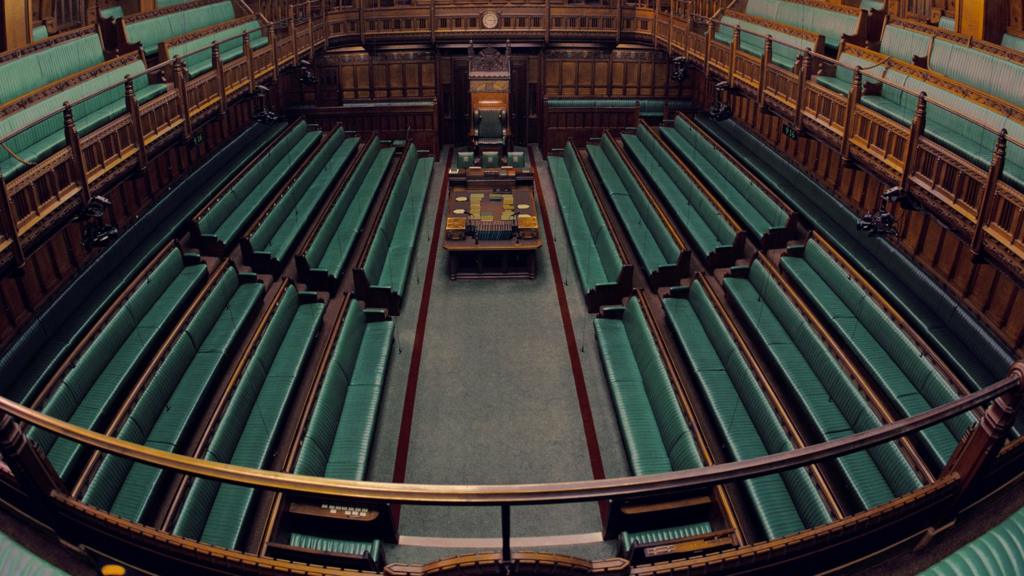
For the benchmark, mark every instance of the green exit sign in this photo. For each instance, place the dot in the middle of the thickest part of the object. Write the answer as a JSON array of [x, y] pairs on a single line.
[[789, 131]]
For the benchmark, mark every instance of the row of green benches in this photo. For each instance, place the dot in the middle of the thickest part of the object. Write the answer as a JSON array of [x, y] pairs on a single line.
[[197, 54], [382, 277], [33, 68], [786, 48], [272, 238], [604, 277], [832, 24], [322, 260], [215, 512], [92, 389], [221, 223], [152, 29], [783, 503], [176, 394], [998, 552]]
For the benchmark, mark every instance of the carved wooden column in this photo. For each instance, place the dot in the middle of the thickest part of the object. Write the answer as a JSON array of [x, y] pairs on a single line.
[[222, 91], [309, 28], [732, 54], [995, 172], [180, 76], [10, 224], [273, 44], [916, 129], [803, 62], [294, 26], [851, 103], [75, 144], [132, 104], [247, 49], [30, 467], [17, 20], [766, 58]]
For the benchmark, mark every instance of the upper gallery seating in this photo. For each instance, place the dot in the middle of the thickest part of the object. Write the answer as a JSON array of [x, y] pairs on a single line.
[[272, 238], [215, 512], [29, 362], [783, 503], [763, 214], [603, 275], [994, 553], [648, 108], [340, 433], [325, 254], [199, 61], [179, 388], [654, 430], [224, 219], [1014, 41], [149, 29], [834, 22], [948, 326], [387, 262], [829, 398], [28, 69], [900, 368], [97, 94], [109, 363], [663, 256], [788, 42], [710, 230]]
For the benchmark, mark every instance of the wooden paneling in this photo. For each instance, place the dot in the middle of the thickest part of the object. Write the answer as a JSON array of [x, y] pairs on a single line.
[[609, 74], [358, 75]]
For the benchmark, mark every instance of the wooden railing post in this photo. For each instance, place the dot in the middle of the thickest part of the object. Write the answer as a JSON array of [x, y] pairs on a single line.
[[132, 104], [273, 44], [547, 21], [362, 22], [309, 27], [10, 223], [180, 76], [995, 172], [851, 103], [916, 129], [657, 16], [75, 144], [29, 465], [247, 48], [732, 54], [618, 20], [766, 57], [295, 37], [222, 91], [803, 61]]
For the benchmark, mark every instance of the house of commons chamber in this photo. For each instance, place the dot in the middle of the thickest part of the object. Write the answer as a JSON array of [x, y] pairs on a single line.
[[512, 287]]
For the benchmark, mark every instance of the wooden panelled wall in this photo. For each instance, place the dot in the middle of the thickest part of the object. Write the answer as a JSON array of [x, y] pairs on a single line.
[[989, 292], [608, 74]]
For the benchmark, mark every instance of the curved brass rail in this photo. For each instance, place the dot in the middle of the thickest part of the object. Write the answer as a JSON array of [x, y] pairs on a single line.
[[504, 494]]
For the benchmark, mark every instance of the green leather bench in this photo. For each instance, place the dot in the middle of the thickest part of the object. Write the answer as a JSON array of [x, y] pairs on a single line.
[[214, 512], [977, 357], [16, 559], [627, 540], [658, 251], [225, 220], [325, 256], [758, 212], [906, 44], [151, 31], [31, 359], [44, 123], [604, 278], [911, 382], [275, 236], [1013, 42], [998, 552], [830, 401], [176, 394], [199, 61], [831, 24], [785, 50], [90, 391], [370, 550], [649, 107], [387, 262], [985, 71], [784, 503], [708, 230], [30, 69]]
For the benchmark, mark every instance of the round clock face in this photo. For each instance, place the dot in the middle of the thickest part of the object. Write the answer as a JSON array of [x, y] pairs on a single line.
[[489, 19]]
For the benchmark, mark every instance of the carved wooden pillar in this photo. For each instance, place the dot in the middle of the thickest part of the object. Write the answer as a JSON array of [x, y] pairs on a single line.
[[132, 104], [803, 62], [618, 20], [17, 22], [247, 49], [732, 54], [294, 26], [916, 129], [995, 172], [222, 91], [657, 16], [309, 28], [30, 467], [10, 224], [851, 104], [709, 32], [75, 144], [273, 44], [766, 58], [180, 76]]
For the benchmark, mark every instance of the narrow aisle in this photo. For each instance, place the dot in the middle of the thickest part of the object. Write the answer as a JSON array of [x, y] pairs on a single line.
[[496, 401]]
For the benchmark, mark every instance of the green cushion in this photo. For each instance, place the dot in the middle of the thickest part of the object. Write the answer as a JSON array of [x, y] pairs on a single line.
[[904, 43], [785, 50], [39, 68], [369, 549], [830, 24], [150, 32], [198, 61], [663, 535], [998, 552]]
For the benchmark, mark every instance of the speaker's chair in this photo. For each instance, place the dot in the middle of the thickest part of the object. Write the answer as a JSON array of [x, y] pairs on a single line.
[[489, 130]]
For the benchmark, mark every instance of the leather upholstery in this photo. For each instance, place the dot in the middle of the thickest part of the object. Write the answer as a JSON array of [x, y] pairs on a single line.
[[199, 61], [830, 24], [370, 549], [37, 69], [998, 552], [150, 32], [784, 52]]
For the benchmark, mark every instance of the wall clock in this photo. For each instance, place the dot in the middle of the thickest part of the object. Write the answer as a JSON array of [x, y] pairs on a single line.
[[489, 19]]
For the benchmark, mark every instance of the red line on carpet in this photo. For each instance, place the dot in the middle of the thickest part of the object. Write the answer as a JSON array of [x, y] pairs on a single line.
[[596, 465]]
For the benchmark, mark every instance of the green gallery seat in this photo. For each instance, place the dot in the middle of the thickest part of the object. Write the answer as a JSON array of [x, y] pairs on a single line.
[[901, 369], [179, 389], [326, 254], [370, 550], [966, 346], [215, 512], [1013, 42], [387, 263], [627, 540], [597, 259], [744, 197], [831, 24], [151, 31], [649, 107], [784, 503], [43, 122], [998, 552], [31, 69], [225, 220], [650, 236], [829, 399], [785, 50], [655, 432], [16, 559], [89, 392], [985, 71], [338, 439], [907, 44], [276, 235], [710, 232], [199, 61]]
